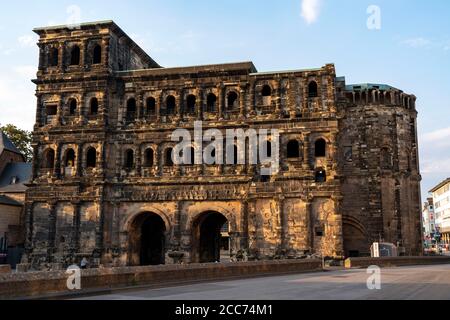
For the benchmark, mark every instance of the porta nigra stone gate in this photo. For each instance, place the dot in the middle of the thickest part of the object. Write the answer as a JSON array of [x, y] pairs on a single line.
[[105, 187]]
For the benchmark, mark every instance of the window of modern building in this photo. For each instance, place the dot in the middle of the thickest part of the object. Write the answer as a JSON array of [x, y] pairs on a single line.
[[321, 176]]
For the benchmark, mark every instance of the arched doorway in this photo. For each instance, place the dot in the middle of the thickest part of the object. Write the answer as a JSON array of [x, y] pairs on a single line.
[[147, 240], [356, 242], [211, 237]]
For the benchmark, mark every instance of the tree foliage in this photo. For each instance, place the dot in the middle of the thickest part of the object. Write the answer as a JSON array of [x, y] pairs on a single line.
[[21, 139]]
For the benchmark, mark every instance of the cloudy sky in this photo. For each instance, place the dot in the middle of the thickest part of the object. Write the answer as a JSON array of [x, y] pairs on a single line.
[[408, 47]]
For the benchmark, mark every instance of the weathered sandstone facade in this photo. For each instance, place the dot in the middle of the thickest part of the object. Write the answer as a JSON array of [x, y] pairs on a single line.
[[104, 186]]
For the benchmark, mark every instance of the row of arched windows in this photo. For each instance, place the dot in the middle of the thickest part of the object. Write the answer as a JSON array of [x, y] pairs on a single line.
[[73, 106], [75, 56], [380, 97], [168, 106], [69, 158]]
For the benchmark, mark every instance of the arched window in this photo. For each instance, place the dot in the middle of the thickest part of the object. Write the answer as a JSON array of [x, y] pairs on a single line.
[[93, 106], [267, 95], [91, 158], [232, 101], [54, 57], [211, 102], [266, 91], [320, 148], [171, 105], [168, 160], [129, 159], [72, 107], [151, 106], [149, 158], [313, 90], [48, 159], [131, 110], [321, 175], [97, 55], [190, 103], [75, 56], [191, 160], [293, 149], [70, 158]]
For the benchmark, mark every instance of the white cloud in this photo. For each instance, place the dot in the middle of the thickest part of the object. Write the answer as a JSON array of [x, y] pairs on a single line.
[[438, 137], [311, 10], [27, 41], [417, 42]]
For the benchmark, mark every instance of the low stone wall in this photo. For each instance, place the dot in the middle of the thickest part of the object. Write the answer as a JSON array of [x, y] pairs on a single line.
[[394, 261], [38, 284]]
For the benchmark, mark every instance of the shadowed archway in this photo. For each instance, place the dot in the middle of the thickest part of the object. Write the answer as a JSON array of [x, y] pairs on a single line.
[[208, 238], [147, 240]]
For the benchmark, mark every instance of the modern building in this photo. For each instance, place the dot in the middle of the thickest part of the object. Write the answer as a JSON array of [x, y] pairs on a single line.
[[105, 185], [429, 223], [441, 199]]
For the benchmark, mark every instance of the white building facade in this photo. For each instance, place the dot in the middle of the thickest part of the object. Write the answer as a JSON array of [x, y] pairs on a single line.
[[441, 199]]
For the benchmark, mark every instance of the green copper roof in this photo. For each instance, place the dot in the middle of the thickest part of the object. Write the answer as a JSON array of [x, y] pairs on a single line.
[[368, 86]]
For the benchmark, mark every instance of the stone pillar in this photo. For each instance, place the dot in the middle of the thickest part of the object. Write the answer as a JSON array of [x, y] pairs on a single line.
[[199, 106], [36, 160], [29, 213], [51, 250], [220, 101], [306, 153], [283, 223], [158, 107], [43, 57], [244, 245], [39, 112], [242, 104], [138, 161], [75, 245], [139, 107], [57, 167], [79, 160], [99, 232], [338, 251], [278, 110], [82, 110], [310, 224]]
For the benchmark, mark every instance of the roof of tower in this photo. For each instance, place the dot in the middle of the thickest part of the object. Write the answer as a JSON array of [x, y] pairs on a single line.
[[106, 23], [369, 86]]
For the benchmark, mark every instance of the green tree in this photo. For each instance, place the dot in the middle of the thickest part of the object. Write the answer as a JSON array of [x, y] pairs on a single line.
[[21, 139]]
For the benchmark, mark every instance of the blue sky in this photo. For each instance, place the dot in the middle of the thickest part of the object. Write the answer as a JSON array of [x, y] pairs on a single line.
[[411, 51]]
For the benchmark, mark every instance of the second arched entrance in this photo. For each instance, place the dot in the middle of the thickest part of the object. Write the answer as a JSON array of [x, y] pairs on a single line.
[[147, 240], [210, 238]]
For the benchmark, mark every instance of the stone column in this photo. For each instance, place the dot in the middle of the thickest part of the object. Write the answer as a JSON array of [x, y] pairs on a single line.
[[283, 223], [79, 160], [220, 101], [306, 153], [199, 107], [338, 251], [39, 112], [57, 167], [29, 213], [75, 245], [36, 160], [158, 107], [51, 250], [242, 104], [82, 110], [138, 161], [310, 224], [99, 232], [244, 245]]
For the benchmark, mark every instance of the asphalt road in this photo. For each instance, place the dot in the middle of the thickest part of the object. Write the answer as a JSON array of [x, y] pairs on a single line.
[[408, 283]]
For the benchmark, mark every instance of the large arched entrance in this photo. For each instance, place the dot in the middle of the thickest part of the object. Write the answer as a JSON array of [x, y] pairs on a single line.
[[210, 237], [147, 240]]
